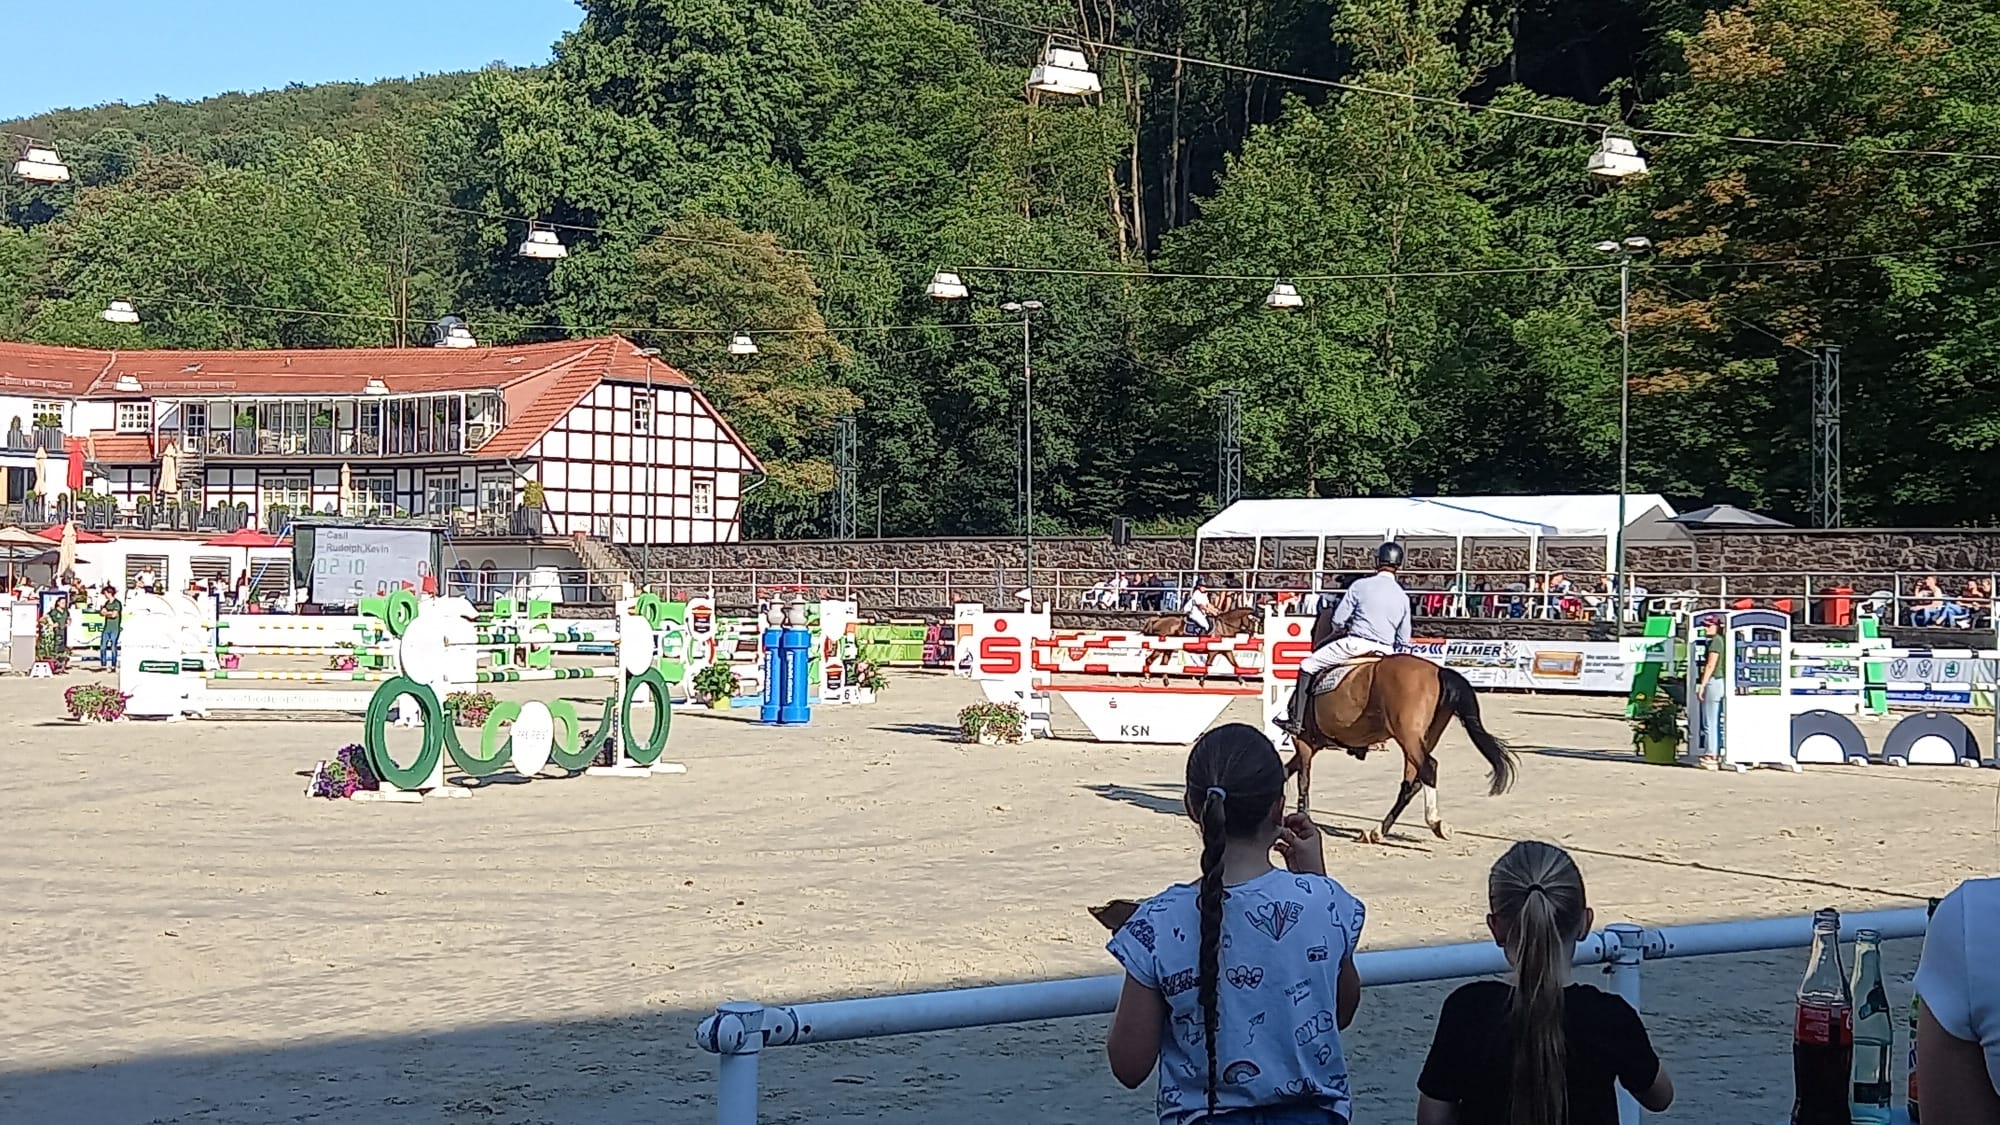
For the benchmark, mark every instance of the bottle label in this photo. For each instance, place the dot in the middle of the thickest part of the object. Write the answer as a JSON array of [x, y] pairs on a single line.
[[1829, 1025]]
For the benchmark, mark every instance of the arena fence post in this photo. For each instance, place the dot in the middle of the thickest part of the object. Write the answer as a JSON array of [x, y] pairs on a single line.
[[1627, 951], [735, 1033]]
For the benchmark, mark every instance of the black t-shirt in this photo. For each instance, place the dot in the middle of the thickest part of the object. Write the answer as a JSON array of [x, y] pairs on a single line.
[[1472, 1056]]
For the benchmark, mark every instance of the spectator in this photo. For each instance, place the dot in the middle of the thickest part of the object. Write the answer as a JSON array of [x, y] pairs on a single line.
[[1927, 601], [1539, 1050], [1708, 690], [1226, 1048], [114, 624], [52, 643], [1958, 1025]]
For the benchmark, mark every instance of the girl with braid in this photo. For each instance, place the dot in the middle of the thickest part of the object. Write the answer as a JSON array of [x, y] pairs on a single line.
[[1238, 985], [1537, 1050]]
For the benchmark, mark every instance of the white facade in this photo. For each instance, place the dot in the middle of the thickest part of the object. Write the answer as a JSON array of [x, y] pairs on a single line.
[[618, 468]]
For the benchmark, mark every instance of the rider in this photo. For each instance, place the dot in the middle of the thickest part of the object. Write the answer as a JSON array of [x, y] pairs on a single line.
[[1198, 614], [1376, 612]]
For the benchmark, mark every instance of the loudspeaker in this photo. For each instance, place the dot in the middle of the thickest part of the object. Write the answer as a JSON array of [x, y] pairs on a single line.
[[1121, 531]]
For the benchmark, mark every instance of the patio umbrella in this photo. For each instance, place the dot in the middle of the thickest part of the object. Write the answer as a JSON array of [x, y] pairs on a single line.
[[247, 537], [82, 534], [67, 560], [42, 480], [17, 538], [75, 475], [1725, 515], [4, 498], [170, 469], [346, 485]]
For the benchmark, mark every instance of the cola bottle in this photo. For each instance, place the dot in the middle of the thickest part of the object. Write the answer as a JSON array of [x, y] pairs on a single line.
[[1823, 1032], [1874, 1034]]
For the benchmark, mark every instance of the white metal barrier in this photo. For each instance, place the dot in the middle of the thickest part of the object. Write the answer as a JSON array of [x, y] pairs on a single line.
[[737, 1032]]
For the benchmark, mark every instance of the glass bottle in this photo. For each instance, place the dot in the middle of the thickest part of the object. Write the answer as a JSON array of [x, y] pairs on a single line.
[[1823, 1032], [1874, 1034]]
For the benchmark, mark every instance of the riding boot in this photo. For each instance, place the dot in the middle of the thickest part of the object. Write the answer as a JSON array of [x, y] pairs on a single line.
[[1294, 721]]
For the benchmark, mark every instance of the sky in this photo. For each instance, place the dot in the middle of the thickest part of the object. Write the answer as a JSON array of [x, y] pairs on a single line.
[[64, 56]]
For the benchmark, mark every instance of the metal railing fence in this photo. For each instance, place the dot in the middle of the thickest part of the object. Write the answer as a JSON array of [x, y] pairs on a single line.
[[737, 1033]]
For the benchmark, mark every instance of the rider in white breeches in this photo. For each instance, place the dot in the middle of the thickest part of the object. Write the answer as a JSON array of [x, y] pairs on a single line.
[[1376, 614]]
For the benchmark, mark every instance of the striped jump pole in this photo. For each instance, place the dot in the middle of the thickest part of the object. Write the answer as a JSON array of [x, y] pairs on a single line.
[[302, 677], [535, 675]]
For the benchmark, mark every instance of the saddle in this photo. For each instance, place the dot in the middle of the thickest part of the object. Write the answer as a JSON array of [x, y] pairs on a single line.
[[1349, 684]]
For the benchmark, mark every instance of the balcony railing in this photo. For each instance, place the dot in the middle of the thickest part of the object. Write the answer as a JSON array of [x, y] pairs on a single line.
[[49, 438], [178, 514], [327, 441]]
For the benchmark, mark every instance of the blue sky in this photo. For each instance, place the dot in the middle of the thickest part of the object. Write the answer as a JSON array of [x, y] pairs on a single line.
[[62, 56]]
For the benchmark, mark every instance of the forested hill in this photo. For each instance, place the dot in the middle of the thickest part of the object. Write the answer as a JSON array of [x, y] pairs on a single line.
[[796, 169]]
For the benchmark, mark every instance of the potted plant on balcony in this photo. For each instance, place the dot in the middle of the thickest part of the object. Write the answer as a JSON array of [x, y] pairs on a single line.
[[244, 440], [320, 436], [1657, 732], [717, 686], [532, 495]]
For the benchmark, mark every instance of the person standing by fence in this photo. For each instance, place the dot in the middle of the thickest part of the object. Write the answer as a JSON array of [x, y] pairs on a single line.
[[1238, 985], [113, 612]]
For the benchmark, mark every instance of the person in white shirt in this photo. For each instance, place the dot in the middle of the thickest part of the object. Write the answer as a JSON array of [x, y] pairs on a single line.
[[1958, 1028], [1198, 612]]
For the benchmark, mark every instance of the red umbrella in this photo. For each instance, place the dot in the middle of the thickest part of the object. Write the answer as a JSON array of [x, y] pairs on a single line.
[[54, 535], [248, 537], [76, 467]]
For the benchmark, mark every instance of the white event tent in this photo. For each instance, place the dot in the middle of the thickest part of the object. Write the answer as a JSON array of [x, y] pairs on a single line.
[[1456, 518]]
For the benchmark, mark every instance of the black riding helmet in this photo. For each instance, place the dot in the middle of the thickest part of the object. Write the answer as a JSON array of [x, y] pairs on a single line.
[[1389, 556]]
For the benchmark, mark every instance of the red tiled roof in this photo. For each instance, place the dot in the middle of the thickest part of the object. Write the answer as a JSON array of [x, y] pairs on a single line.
[[540, 382], [115, 448]]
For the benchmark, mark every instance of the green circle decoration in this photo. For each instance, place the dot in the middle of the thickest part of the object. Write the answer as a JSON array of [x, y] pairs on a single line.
[[647, 752], [569, 730], [652, 609], [401, 611], [491, 759], [375, 738]]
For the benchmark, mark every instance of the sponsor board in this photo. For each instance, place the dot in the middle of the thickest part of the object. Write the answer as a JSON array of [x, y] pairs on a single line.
[[1585, 666]]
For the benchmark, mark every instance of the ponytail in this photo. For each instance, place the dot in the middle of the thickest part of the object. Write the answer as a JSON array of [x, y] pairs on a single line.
[[1214, 833], [1536, 895], [1540, 1093]]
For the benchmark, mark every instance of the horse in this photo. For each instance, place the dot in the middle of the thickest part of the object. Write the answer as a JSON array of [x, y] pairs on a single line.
[[1407, 698], [1241, 621]]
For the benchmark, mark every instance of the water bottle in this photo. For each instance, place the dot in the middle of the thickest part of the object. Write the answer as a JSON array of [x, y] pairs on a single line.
[[1823, 1032], [1874, 1034]]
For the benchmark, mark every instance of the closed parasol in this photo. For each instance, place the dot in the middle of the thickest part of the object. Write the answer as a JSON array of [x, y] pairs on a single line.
[[170, 469], [66, 561], [346, 486], [42, 481], [76, 467]]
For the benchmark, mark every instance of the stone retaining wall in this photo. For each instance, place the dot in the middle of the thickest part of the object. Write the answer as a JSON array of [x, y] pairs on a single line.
[[936, 572]]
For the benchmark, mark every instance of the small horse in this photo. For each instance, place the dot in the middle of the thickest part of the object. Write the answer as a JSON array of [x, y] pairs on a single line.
[[1245, 620], [1411, 700]]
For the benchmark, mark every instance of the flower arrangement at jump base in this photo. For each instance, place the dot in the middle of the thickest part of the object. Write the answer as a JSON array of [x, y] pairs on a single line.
[[991, 724], [344, 776], [717, 686], [470, 708], [346, 660], [869, 679], [1656, 732], [95, 703]]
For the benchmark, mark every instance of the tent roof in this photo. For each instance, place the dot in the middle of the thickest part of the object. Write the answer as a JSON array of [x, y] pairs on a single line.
[[1436, 516]]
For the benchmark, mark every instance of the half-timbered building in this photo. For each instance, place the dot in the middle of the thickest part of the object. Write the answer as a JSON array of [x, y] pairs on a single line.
[[623, 446]]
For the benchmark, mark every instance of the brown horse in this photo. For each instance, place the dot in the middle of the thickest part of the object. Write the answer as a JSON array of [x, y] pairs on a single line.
[[1241, 621], [1411, 700]]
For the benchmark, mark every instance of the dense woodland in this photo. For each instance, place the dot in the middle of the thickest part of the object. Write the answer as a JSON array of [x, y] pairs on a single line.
[[798, 168]]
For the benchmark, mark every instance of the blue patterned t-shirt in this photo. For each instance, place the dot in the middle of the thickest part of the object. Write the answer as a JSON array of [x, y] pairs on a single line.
[[1284, 937]]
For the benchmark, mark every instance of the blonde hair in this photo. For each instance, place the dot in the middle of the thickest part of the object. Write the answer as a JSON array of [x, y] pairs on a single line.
[[1536, 893]]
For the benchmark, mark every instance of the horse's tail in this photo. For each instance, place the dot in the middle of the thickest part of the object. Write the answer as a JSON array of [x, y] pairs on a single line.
[[1455, 694]]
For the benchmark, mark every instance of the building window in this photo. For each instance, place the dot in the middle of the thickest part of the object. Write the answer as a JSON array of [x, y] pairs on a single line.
[[440, 495], [375, 496], [642, 414], [295, 493], [48, 415], [704, 499], [134, 417]]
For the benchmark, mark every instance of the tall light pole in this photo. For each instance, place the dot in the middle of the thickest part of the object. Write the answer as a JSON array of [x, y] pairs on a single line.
[[1637, 246], [1027, 311]]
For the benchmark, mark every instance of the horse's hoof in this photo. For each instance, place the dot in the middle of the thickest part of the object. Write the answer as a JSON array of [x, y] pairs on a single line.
[[1369, 836], [1440, 829]]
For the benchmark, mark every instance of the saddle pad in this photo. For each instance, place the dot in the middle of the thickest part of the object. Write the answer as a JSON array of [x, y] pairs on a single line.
[[1339, 672]]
